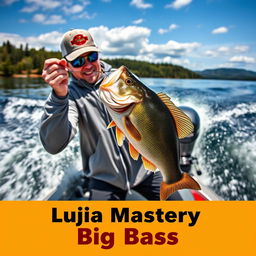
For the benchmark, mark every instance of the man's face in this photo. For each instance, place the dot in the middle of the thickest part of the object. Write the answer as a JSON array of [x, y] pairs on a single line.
[[90, 71]]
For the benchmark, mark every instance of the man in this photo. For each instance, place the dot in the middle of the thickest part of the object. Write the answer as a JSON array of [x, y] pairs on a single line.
[[110, 169]]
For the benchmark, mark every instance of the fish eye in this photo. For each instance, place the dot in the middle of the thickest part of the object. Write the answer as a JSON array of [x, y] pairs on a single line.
[[128, 81]]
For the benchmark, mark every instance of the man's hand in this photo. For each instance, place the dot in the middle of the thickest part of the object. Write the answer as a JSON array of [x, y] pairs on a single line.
[[56, 75]]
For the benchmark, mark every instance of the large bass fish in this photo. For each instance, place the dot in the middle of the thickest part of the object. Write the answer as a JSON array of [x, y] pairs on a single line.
[[152, 124]]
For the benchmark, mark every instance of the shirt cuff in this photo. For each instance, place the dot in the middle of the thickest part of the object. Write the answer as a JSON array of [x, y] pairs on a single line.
[[58, 99]]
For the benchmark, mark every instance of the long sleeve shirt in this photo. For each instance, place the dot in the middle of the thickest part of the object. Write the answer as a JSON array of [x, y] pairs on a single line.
[[83, 111]]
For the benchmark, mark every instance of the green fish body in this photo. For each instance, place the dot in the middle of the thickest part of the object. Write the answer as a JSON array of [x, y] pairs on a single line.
[[152, 124]]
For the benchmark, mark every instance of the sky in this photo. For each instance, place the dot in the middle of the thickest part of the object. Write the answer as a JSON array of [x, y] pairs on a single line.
[[196, 34]]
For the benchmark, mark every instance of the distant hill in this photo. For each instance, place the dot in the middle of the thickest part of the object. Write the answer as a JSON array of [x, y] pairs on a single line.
[[228, 74], [147, 69]]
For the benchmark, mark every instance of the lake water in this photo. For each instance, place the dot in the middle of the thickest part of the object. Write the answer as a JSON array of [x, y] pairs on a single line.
[[225, 148]]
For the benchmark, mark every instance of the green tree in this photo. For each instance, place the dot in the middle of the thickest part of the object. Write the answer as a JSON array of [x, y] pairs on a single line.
[[7, 68], [17, 60]]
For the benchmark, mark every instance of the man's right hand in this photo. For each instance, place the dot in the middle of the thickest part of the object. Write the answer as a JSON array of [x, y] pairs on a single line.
[[55, 73]]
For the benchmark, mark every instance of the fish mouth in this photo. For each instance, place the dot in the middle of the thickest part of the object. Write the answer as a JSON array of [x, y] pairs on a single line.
[[109, 94], [117, 104], [112, 78], [123, 109]]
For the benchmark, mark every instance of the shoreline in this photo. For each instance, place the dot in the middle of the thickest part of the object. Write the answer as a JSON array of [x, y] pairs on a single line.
[[26, 75], [39, 76]]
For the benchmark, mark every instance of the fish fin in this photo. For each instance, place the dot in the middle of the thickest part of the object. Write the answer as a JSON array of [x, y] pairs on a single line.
[[164, 97], [132, 129], [133, 152], [186, 181], [111, 124], [119, 136], [147, 164], [184, 125]]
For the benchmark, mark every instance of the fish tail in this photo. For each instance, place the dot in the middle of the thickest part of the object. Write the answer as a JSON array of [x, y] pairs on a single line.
[[186, 181]]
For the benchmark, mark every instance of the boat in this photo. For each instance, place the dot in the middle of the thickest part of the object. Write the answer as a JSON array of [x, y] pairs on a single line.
[[74, 185]]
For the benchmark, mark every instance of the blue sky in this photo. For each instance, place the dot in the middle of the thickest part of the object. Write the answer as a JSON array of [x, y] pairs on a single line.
[[197, 34]]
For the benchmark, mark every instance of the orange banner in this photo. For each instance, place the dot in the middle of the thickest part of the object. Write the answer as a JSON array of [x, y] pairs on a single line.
[[127, 228]]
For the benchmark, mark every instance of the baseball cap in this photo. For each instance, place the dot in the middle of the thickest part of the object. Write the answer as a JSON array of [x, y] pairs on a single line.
[[76, 42]]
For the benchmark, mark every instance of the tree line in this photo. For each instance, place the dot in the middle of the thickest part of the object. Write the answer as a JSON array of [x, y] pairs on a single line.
[[17, 60], [147, 69], [25, 60]]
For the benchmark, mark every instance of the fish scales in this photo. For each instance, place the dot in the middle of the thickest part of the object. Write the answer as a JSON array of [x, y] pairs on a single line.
[[151, 123], [157, 138]]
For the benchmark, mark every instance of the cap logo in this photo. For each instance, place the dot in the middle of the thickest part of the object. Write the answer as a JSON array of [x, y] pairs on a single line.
[[79, 39]]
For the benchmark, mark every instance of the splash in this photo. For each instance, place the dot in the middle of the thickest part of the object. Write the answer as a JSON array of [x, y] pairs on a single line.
[[226, 148], [226, 142], [27, 171]]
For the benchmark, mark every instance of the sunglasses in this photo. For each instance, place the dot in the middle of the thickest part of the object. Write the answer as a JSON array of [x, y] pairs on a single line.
[[80, 61]]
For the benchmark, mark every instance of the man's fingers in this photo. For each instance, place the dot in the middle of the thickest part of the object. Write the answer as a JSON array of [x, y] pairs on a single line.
[[54, 67], [52, 64], [56, 75], [58, 81], [49, 69], [64, 82], [51, 76], [49, 62]]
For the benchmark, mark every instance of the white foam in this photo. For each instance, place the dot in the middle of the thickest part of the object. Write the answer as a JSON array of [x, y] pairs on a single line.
[[239, 110], [246, 156], [27, 171]]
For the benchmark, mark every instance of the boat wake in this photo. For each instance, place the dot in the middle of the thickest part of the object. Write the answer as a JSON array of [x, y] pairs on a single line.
[[27, 171], [225, 148]]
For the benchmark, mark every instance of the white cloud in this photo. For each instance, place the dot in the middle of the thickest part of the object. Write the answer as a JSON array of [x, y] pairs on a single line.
[[226, 50], [211, 53], [173, 26], [181, 62], [137, 22], [50, 41], [29, 9], [121, 40], [84, 15], [43, 19], [241, 48], [14, 39], [39, 18], [55, 19], [127, 42], [223, 49], [133, 42], [240, 61], [170, 28], [69, 7], [226, 65], [220, 51], [220, 30], [243, 59], [177, 4], [34, 5], [172, 48], [162, 31], [140, 4], [73, 9]]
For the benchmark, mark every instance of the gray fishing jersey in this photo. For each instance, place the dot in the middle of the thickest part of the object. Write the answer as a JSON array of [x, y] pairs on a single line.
[[82, 110]]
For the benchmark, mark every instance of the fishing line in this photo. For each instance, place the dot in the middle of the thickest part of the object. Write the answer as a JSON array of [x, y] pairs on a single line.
[[84, 72]]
